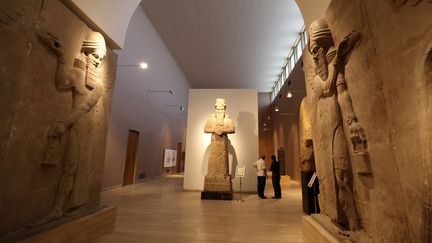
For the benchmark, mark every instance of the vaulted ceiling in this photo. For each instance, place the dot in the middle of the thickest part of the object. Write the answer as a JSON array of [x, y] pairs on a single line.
[[227, 43]]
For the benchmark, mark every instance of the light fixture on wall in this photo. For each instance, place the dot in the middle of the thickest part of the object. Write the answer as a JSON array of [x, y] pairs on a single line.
[[160, 91], [289, 94], [142, 65], [276, 108], [180, 107]]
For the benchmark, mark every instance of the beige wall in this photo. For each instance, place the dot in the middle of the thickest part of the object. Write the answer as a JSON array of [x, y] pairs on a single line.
[[109, 16], [266, 146], [160, 126], [242, 107]]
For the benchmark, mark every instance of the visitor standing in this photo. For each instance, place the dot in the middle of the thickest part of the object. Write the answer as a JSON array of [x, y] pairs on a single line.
[[275, 169], [261, 175]]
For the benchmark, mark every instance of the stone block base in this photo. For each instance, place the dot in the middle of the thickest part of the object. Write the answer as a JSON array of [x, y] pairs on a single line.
[[217, 195], [74, 229], [319, 228], [217, 184], [314, 232]]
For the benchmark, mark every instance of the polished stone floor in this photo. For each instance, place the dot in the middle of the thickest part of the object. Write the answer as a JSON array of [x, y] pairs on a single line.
[[159, 211]]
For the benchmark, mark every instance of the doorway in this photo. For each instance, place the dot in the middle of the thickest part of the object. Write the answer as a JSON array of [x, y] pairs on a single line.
[[130, 163]]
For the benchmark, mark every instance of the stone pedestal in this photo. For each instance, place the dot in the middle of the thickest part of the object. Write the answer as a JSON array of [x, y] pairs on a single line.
[[320, 228], [314, 231], [217, 188], [68, 229], [217, 195]]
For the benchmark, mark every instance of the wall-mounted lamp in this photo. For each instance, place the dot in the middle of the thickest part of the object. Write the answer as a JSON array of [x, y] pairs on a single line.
[[160, 91], [290, 93], [181, 107], [276, 108], [142, 65]]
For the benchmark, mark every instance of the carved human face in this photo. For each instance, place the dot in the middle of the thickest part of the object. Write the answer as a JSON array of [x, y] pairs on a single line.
[[220, 104], [96, 57]]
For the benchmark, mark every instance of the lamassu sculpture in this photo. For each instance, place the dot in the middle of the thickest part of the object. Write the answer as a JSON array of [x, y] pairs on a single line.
[[331, 105]]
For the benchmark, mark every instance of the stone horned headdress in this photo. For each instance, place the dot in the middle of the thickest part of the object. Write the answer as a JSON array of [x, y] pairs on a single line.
[[320, 35], [94, 41]]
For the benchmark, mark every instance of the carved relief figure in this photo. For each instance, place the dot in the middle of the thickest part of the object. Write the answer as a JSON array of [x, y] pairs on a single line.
[[83, 81], [332, 106], [219, 124]]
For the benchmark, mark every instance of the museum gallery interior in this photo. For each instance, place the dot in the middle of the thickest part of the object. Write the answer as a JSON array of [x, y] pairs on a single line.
[[145, 121]]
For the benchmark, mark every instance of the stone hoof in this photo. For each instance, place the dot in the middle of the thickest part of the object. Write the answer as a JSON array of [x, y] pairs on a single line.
[[53, 215]]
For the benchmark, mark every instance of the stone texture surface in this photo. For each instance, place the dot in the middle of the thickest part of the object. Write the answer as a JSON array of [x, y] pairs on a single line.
[[305, 137], [31, 104], [219, 124], [389, 79]]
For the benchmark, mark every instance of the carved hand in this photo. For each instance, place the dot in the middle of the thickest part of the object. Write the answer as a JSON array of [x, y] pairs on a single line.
[[356, 133], [57, 130], [53, 43], [218, 131]]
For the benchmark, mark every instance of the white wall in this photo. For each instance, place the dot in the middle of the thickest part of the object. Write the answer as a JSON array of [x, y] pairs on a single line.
[[312, 10], [112, 16], [242, 107], [160, 126]]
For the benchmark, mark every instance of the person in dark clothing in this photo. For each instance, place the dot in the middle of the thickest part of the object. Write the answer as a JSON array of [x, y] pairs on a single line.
[[275, 169]]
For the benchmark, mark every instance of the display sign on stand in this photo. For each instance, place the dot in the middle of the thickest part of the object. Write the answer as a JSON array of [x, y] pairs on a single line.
[[240, 172]]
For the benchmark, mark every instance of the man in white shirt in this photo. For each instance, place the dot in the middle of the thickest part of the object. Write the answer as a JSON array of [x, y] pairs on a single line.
[[261, 175]]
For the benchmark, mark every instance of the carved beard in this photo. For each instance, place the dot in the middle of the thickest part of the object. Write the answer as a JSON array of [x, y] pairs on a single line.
[[321, 68], [220, 115], [93, 73]]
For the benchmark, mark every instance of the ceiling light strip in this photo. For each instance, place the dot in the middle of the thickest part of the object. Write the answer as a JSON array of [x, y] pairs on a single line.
[[293, 56]]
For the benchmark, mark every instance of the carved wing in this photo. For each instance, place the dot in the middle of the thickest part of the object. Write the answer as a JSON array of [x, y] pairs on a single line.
[[308, 69], [311, 90]]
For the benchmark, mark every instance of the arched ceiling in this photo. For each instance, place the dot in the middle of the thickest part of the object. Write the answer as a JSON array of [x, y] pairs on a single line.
[[227, 43], [217, 43]]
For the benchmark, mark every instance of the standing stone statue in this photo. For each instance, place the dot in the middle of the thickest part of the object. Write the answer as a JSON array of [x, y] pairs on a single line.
[[218, 179], [332, 111], [83, 81]]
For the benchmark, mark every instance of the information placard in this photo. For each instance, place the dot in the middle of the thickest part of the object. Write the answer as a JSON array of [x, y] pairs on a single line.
[[240, 170]]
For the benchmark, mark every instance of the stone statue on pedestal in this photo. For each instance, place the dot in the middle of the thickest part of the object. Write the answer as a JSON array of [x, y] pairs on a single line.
[[218, 179]]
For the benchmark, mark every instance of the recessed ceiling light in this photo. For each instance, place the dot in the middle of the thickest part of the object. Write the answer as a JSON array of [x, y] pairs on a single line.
[[143, 65]]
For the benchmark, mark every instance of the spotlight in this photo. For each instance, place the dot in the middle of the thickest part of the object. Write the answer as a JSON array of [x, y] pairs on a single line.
[[143, 65]]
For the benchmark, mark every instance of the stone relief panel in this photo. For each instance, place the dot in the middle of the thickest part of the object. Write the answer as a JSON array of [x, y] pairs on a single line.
[[55, 94], [66, 138], [305, 135], [331, 105], [219, 125], [386, 78]]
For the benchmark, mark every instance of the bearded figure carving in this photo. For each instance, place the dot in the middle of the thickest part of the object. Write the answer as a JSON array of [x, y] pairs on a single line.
[[332, 111], [69, 139], [219, 125]]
